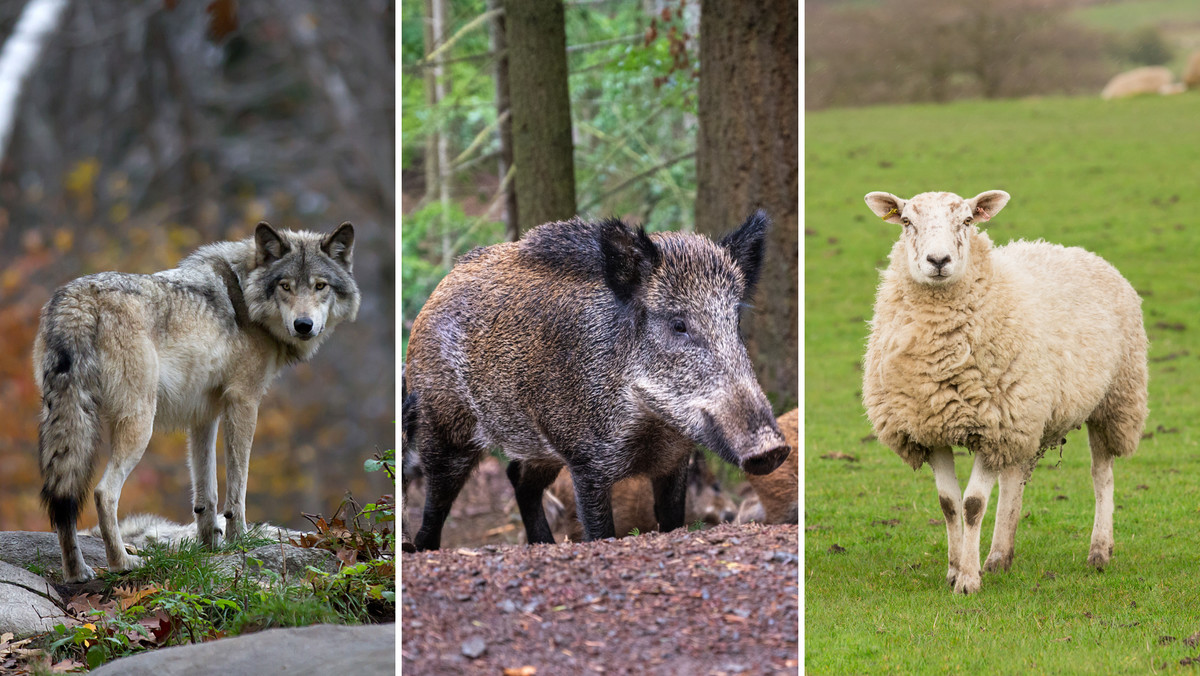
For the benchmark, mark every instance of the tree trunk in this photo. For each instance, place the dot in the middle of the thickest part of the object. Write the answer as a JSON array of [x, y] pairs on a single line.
[[541, 111], [748, 157], [499, 45], [431, 139], [445, 173]]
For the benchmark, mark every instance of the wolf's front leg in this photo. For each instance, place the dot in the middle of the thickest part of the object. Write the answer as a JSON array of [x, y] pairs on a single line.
[[240, 418], [202, 460]]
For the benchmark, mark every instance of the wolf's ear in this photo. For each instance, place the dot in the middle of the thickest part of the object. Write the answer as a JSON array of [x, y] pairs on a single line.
[[339, 244], [629, 256], [746, 246], [269, 246]]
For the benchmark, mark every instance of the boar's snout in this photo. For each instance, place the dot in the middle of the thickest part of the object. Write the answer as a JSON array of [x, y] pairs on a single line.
[[773, 450]]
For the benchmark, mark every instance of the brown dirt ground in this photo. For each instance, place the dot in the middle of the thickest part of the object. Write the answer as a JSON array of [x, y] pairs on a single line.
[[718, 601]]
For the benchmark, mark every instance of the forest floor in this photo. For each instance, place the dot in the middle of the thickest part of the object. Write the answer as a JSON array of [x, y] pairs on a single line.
[[716, 601]]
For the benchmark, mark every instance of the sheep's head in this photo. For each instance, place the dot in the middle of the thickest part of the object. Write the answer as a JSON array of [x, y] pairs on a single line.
[[937, 229]]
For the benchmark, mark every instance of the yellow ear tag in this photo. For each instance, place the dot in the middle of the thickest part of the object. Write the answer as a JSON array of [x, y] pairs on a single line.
[[893, 211]]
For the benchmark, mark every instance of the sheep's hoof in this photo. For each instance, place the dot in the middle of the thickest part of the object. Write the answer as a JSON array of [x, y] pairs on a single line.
[[1099, 557], [997, 562], [967, 584]]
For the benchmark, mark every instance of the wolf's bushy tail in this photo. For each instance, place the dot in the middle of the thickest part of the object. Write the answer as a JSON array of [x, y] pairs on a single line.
[[69, 430]]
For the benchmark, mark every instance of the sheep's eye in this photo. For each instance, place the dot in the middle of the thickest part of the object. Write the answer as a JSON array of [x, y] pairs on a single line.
[[679, 327], [968, 221], [906, 222], [285, 286], [319, 285]]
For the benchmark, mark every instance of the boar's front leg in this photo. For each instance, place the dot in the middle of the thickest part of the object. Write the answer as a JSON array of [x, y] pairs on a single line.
[[529, 482], [670, 494], [447, 467], [593, 504]]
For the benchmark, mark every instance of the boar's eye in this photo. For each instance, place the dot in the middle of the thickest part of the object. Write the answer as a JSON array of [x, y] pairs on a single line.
[[679, 327]]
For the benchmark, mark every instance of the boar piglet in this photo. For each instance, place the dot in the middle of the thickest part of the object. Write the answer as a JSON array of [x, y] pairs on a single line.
[[596, 346], [633, 502]]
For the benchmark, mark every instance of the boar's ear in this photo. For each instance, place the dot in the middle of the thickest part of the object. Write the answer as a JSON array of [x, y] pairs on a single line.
[[268, 245], [628, 255], [339, 244], [746, 246]]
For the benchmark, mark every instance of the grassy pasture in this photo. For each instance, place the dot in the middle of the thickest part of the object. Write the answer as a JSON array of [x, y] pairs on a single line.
[[1119, 178]]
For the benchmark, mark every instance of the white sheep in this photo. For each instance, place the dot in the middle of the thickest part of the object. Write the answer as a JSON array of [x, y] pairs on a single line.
[[1145, 80], [1003, 351]]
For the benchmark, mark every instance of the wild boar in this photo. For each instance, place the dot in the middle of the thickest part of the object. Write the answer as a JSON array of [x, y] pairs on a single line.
[[633, 503], [596, 346]]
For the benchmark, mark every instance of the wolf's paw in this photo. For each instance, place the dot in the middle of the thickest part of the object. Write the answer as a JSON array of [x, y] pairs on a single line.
[[84, 574], [126, 564]]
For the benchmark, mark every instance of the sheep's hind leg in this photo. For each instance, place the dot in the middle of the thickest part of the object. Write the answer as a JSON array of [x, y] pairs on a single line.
[[941, 460], [1102, 483], [1008, 514], [975, 498]]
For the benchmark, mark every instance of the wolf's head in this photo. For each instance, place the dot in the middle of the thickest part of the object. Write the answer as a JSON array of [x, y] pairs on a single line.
[[301, 284]]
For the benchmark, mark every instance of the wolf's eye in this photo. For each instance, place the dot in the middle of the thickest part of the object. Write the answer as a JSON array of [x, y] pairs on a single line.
[[679, 327], [320, 285], [285, 286]]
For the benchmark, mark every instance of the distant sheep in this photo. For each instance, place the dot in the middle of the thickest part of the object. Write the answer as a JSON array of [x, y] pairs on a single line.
[[1146, 80], [1191, 74], [1001, 350], [776, 495]]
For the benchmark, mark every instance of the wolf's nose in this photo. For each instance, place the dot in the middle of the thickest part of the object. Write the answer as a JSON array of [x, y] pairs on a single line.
[[303, 325]]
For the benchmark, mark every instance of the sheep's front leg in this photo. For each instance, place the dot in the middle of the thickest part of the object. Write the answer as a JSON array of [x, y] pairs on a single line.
[[941, 460], [975, 498], [1102, 483], [1008, 514]]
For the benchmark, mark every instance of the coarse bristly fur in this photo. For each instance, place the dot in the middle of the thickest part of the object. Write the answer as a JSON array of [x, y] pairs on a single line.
[[1001, 350], [597, 346], [179, 349]]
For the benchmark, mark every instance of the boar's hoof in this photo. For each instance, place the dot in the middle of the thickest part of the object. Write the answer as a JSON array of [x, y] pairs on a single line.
[[767, 461]]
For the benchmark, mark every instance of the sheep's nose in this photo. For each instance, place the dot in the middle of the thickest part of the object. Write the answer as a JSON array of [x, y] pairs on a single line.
[[938, 262]]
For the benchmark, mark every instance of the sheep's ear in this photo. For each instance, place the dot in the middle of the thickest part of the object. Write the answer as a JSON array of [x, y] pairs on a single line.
[[886, 205], [986, 205]]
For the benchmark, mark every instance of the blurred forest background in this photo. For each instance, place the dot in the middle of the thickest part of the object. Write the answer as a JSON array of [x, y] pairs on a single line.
[[150, 127], [672, 114], [865, 52]]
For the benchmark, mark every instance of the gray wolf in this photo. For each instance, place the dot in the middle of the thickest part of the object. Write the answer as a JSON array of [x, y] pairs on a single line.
[[596, 346], [178, 349]]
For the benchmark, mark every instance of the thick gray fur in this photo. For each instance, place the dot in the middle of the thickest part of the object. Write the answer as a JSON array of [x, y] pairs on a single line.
[[179, 349]]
